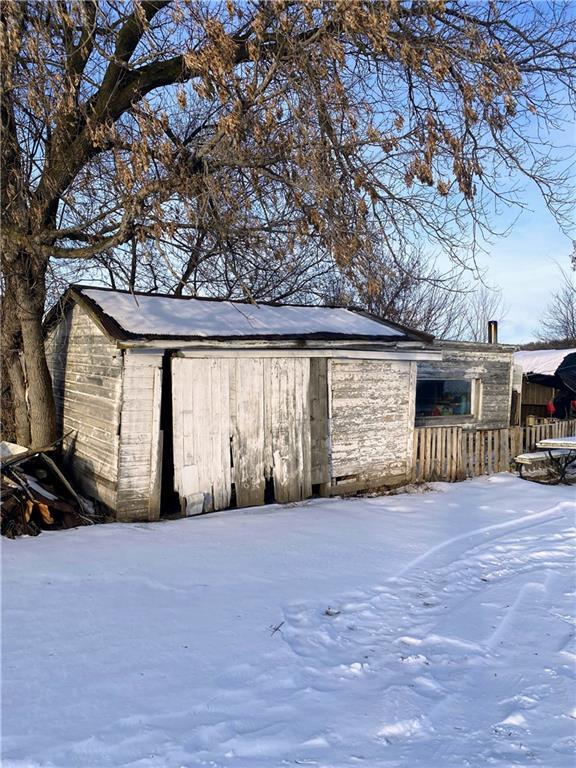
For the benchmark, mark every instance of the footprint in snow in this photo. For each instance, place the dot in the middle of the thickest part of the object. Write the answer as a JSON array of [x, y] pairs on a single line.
[[416, 659]]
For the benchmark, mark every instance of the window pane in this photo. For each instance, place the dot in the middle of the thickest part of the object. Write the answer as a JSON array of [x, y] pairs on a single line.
[[444, 397]]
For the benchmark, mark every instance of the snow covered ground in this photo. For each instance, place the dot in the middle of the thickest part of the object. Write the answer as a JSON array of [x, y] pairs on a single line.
[[421, 630]]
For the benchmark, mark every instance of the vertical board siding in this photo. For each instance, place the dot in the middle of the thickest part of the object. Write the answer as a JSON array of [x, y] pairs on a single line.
[[287, 407], [247, 430], [451, 453], [411, 414], [372, 405], [241, 421], [86, 370], [140, 438], [201, 428], [319, 433]]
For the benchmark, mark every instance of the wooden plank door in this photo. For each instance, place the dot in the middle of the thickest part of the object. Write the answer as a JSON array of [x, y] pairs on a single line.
[[243, 420], [287, 448], [201, 433], [247, 445]]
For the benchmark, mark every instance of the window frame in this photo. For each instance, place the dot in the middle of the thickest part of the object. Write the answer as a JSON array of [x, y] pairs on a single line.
[[453, 419]]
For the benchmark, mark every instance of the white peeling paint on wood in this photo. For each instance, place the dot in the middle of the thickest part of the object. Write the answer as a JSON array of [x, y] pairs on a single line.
[[411, 415], [319, 432], [139, 464], [219, 431], [241, 421], [242, 418], [247, 430], [491, 369], [288, 426], [201, 424], [326, 350], [156, 448], [86, 370], [371, 422]]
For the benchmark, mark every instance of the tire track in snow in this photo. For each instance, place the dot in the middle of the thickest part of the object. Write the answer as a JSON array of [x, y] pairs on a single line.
[[423, 592], [402, 627], [385, 680], [501, 529]]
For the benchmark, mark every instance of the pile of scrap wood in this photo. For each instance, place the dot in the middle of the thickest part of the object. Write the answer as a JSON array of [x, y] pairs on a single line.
[[35, 494]]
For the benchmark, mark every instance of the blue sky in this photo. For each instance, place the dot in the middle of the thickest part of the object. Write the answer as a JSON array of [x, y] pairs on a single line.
[[524, 266]]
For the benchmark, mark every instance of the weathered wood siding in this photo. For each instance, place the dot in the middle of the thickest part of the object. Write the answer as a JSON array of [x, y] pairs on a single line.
[[453, 453], [287, 426], [319, 423], [86, 369], [491, 368], [201, 430], [241, 421], [139, 473], [534, 400], [372, 422], [251, 460], [245, 426]]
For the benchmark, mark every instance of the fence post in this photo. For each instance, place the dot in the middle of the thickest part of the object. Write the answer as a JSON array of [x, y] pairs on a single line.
[[426, 455], [460, 455], [453, 453]]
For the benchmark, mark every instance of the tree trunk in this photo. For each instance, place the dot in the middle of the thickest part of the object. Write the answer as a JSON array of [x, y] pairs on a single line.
[[11, 344], [15, 373], [30, 295]]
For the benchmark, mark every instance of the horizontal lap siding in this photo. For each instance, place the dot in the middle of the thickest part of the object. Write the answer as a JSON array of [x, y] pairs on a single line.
[[86, 370], [140, 437], [492, 368], [372, 421]]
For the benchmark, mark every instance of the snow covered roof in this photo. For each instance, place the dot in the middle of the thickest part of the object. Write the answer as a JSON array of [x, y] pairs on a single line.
[[143, 316], [543, 361]]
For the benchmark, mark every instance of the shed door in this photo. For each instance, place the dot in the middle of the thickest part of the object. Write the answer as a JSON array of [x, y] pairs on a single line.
[[242, 422], [201, 418]]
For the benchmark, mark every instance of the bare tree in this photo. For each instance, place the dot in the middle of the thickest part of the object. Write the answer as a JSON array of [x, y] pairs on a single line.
[[202, 266], [559, 321], [410, 289], [261, 127], [406, 288], [481, 306]]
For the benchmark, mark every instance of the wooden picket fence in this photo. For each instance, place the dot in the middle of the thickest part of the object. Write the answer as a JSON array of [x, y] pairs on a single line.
[[453, 453]]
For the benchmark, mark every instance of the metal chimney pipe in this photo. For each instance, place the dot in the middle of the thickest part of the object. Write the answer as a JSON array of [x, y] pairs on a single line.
[[492, 332]]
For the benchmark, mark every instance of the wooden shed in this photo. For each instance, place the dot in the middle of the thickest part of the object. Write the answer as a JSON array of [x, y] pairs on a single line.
[[204, 404]]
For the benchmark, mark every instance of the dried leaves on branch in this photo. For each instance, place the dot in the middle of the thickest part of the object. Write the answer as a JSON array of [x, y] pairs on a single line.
[[287, 131]]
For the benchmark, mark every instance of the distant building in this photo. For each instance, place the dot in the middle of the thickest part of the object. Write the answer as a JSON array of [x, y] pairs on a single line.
[[539, 383]]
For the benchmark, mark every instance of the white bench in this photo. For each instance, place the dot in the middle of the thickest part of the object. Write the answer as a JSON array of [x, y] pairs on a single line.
[[536, 456]]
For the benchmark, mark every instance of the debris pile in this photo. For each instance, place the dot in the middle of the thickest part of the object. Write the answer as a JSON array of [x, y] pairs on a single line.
[[35, 494]]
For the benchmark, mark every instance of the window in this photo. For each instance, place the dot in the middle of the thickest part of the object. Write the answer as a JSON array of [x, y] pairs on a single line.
[[444, 397]]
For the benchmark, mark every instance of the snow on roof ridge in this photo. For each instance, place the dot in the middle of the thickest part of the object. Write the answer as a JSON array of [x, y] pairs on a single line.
[[82, 289], [158, 315]]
